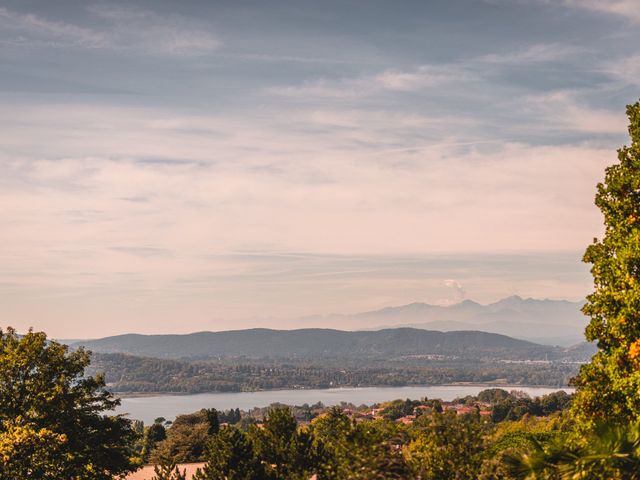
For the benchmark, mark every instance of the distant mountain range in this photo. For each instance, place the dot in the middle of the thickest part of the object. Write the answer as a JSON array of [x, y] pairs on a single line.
[[314, 343], [551, 322]]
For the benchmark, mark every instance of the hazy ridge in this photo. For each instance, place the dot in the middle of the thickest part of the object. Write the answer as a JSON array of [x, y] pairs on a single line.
[[552, 322], [314, 343]]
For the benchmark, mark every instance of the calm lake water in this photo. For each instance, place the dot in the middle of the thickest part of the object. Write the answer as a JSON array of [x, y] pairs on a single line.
[[169, 406]]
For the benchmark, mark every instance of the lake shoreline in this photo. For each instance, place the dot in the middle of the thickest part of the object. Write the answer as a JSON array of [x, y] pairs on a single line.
[[346, 387], [148, 407]]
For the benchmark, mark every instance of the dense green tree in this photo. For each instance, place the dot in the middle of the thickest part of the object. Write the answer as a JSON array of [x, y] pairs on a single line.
[[364, 451], [231, 416], [139, 374], [377, 451], [29, 453], [288, 450], [554, 402], [608, 386], [446, 446], [213, 422], [46, 402], [607, 404], [153, 434], [400, 408], [231, 456], [156, 433], [551, 460], [330, 433], [610, 451], [493, 395], [186, 439], [510, 440], [168, 470]]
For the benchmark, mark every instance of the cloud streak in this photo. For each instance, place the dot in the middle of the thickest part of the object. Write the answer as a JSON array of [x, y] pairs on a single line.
[[43, 32], [390, 80], [624, 8], [126, 29], [228, 166]]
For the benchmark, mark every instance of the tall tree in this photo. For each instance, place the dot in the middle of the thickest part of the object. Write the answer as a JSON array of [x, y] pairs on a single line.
[[168, 470], [47, 404], [213, 421], [153, 434], [608, 386], [286, 449], [446, 446], [230, 455], [368, 450], [187, 437]]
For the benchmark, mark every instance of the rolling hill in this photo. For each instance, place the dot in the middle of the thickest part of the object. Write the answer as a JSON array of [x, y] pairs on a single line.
[[308, 343]]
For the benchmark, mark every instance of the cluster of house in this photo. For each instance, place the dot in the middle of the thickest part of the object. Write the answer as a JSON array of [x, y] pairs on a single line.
[[357, 414], [377, 413], [459, 409]]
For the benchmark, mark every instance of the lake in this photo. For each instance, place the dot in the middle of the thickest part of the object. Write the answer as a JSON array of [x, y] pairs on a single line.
[[169, 406]]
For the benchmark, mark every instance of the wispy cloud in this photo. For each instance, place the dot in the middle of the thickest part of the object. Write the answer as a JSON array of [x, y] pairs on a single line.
[[531, 55], [124, 29], [624, 8], [390, 80], [340, 177], [566, 111], [315, 161], [29, 29], [162, 34], [625, 70], [143, 251], [423, 78]]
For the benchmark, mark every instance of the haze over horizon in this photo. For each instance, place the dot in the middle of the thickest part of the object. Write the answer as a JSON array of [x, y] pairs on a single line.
[[202, 165], [335, 320]]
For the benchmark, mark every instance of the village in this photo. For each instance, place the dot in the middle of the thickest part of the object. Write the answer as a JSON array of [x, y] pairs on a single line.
[[490, 407]]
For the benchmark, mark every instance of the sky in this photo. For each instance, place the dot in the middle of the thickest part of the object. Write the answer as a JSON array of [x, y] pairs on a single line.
[[209, 165]]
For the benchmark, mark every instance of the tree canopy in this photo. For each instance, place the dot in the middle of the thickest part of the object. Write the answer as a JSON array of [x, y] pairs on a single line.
[[52, 417], [608, 386]]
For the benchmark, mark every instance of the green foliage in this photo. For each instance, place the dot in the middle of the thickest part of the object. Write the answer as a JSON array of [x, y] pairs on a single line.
[[153, 434], [520, 440], [493, 395], [611, 451], [365, 450], [400, 408], [230, 455], [29, 453], [514, 408], [286, 449], [186, 439], [49, 409], [231, 416], [168, 470], [128, 373], [317, 343], [213, 422], [447, 447], [377, 451], [608, 386], [337, 447]]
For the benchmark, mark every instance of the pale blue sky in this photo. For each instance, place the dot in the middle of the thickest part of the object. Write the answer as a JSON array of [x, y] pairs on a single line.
[[176, 166]]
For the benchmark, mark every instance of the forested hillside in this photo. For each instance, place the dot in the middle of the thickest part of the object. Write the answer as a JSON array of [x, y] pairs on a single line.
[[131, 374], [261, 343]]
